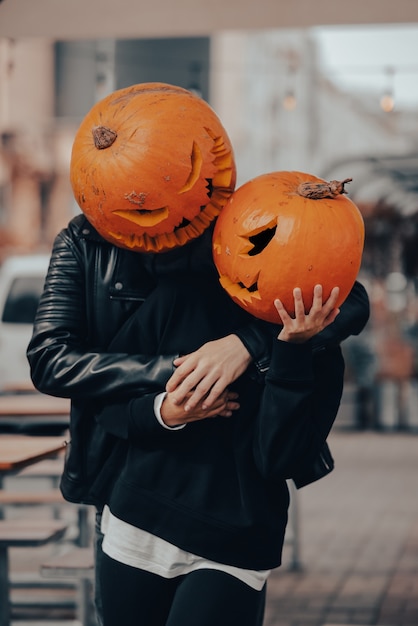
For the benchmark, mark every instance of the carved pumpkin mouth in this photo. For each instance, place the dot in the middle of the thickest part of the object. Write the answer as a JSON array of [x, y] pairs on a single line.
[[143, 217], [181, 234], [184, 232], [151, 217], [238, 291]]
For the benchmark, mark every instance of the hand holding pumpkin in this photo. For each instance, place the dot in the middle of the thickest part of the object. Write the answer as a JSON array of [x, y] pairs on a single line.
[[303, 326]]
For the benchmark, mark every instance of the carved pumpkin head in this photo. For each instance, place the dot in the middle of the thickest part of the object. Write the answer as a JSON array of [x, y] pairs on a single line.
[[284, 230], [151, 167]]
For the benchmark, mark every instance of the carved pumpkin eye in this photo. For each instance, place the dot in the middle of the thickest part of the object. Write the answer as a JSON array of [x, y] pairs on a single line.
[[196, 159], [152, 167], [271, 238], [261, 240], [258, 242]]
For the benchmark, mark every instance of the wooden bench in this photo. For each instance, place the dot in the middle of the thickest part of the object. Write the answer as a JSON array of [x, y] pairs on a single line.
[[22, 534], [52, 497], [46, 473], [77, 563]]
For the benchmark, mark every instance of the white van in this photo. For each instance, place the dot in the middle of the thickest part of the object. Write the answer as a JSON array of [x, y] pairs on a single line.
[[21, 284]]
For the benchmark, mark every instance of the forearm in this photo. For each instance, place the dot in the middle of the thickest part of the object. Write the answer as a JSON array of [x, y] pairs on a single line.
[[149, 415], [60, 368], [257, 337], [298, 408], [133, 419]]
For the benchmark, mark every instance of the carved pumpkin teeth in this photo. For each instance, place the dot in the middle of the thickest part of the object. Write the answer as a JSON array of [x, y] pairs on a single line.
[[238, 291], [183, 233], [209, 187], [251, 289], [148, 217], [143, 217]]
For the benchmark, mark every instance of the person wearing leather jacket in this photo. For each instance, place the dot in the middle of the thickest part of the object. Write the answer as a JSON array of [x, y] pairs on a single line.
[[91, 289]]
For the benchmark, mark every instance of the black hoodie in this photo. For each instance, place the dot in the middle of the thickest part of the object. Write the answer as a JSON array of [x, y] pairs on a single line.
[[217, 487]]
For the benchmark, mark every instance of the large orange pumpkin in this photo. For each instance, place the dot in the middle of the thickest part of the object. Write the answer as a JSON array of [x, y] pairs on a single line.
[[151, 166], [284, 230]]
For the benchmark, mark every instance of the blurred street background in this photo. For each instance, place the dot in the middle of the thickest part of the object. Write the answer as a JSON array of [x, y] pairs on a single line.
[[337, 100], [358, 540], [320, 88]]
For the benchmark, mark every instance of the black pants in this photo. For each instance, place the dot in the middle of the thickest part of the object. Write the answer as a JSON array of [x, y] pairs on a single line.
[[133, 597]]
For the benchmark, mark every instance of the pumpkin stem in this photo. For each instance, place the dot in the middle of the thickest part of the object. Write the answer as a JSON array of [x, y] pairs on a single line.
[[316, 191], [103, 137]]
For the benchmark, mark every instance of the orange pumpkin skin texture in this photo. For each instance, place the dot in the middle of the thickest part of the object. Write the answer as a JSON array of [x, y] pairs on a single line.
[[269, 239], [151, 167]]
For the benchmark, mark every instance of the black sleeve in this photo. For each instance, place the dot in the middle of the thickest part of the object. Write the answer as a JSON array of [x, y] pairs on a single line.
[[134, 419], [62, 361], [299, 404], [257, 335], [353, 316]]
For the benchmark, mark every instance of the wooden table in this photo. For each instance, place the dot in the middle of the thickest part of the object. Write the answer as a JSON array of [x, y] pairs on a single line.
[[33, 412], [18, 451]]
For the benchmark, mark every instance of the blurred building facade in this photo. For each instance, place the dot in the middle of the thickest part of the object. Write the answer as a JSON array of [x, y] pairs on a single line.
[[280, 111]]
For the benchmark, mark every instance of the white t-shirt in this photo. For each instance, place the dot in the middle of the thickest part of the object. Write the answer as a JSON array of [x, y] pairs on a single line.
[[135, 547]]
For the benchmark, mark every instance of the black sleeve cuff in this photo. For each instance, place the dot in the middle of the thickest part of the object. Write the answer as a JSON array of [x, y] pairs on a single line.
[[291, 362], [353, 316], [143, 423]]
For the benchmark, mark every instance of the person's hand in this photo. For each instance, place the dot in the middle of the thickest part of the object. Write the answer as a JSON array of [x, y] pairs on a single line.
[[303, 326], [203, 375], [174, 414]]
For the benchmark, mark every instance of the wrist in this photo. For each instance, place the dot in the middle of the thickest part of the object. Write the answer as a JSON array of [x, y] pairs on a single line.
[[165, 420]]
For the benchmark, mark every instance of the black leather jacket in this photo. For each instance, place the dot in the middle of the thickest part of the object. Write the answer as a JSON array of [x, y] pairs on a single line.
[[91, 288]]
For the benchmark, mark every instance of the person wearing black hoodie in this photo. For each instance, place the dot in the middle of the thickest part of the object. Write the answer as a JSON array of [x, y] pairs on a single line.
[[196, 518], [91, 289]]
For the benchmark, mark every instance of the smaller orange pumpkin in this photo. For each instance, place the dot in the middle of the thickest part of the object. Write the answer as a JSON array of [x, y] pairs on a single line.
[[151, 167], [284, 230]]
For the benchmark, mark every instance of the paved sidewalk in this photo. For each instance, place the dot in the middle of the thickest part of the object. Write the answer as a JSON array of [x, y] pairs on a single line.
[[358, 539], [358, 543]]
